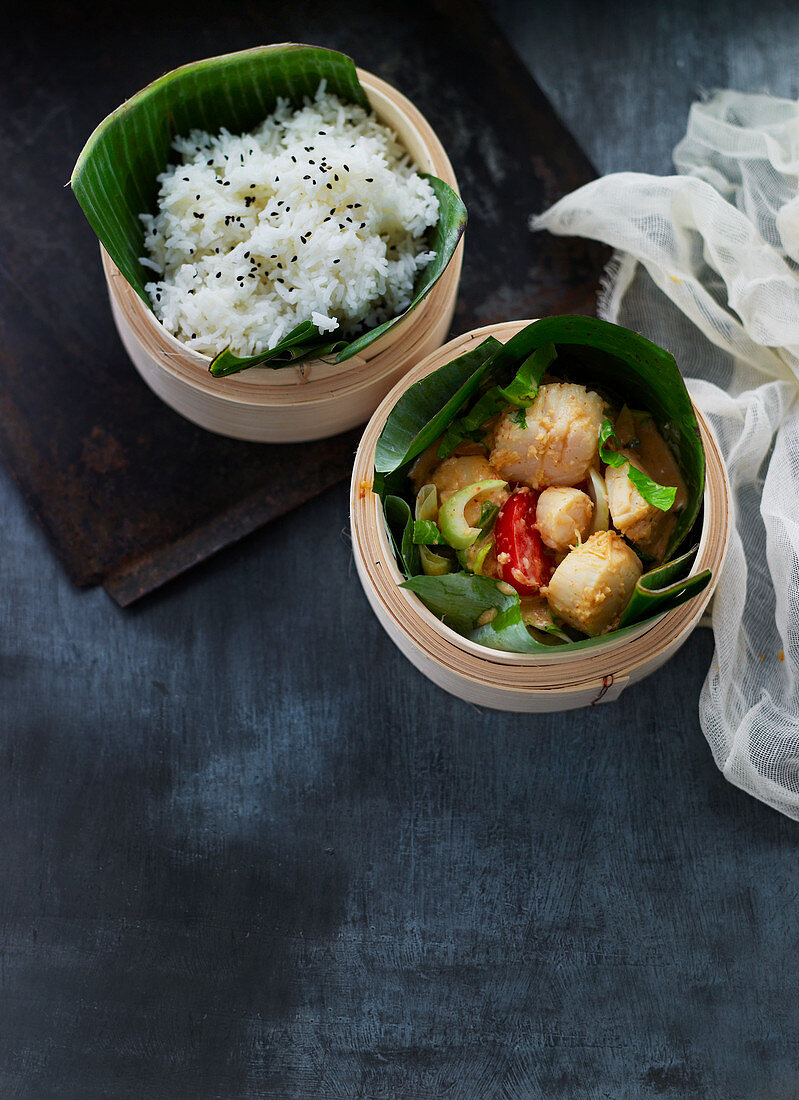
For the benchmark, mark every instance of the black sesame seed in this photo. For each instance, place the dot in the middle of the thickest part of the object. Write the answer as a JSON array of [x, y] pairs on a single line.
[[186, 178], [294, 259], [370, 179], [335, 177], [294, 159], [346, 169], [280, 280], [312, 162], [337, 261], [306, 177], [362, 225], [330, 186], [219, 274]]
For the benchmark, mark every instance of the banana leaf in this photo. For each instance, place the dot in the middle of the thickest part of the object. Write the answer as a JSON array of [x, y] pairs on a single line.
[[621, 365], [665, 587], [115, 177], [429, 406], [399, 520], [461, 599]]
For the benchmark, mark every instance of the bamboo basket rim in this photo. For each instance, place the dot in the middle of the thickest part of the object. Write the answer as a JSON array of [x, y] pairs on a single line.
[[316, 381], [557, 672]]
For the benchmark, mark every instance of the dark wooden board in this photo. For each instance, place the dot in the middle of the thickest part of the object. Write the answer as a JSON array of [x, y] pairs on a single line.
[[129, 493]]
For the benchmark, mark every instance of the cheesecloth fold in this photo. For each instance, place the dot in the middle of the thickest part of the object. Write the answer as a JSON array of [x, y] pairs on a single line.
[[707, 265]]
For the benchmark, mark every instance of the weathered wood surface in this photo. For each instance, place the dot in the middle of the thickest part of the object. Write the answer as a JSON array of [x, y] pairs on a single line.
[[247, 851]]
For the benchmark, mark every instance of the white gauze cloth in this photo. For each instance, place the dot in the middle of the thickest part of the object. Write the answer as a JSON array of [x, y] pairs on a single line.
[[707, 265]]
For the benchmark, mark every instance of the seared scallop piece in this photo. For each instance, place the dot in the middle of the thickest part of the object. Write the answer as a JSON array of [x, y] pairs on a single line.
[[458, 471], [647, 527], [594, 583], [559, 443], [563, 516]]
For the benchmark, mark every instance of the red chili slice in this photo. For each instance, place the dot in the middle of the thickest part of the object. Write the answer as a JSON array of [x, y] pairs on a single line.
[[520, 551]]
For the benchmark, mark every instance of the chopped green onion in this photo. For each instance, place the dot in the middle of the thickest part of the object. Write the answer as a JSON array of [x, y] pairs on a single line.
[[426, 503], [452, 520], [435, 565], [659, 496], [597, 490], [481, 555]]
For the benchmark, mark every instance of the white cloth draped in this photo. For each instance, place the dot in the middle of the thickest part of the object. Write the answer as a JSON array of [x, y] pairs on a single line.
[[706, 264]]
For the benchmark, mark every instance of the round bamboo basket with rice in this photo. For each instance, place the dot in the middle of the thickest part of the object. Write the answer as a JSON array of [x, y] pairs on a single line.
[[314, 399], [512, 681]]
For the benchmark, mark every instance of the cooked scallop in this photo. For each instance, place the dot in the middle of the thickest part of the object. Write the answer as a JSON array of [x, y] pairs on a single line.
[[563, 516], [560, 441], [593, 584], [648, 527], [458, 471]]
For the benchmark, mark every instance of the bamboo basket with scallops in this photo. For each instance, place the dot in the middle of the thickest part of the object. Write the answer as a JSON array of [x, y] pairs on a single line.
[[539, 513]]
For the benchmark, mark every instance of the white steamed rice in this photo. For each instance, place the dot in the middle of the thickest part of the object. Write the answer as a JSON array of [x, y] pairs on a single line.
[[316, 215]]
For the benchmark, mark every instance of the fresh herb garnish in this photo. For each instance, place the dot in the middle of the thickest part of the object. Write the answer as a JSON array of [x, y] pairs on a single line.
[[521, 391], [659, 496], [426, 533]]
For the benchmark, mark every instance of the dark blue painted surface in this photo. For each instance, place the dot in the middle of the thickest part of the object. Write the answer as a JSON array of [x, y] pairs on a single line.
[[247, 851]]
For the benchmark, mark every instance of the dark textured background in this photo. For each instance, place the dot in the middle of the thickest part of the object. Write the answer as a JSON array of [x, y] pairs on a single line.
[[247, 851]]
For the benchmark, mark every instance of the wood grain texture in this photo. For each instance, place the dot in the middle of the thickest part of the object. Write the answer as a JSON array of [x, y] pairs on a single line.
[[248, 852]]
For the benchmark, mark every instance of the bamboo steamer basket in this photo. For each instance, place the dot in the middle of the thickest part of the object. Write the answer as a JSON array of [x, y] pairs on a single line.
[[312, 400], [513, 681]]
